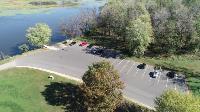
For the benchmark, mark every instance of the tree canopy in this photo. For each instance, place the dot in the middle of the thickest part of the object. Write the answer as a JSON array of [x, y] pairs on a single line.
[[102, 88], [173, 101], [39, 35], [172, 26]]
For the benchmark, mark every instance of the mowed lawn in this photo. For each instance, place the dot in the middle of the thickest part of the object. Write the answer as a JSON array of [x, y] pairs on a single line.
[[21, 91]]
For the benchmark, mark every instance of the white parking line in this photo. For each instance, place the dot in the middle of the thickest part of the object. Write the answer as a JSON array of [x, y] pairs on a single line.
[[145, 71], [120, 62], [136, 71], [130, 68], [114, 61], [149, 79], [175, 87], [159, 77], [166, 85], [124, 66]]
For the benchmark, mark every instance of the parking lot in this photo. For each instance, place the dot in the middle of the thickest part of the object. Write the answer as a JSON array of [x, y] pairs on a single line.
[[74, 61]]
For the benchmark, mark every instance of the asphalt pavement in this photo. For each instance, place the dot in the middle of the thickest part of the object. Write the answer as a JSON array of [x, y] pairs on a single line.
[[74, 61]]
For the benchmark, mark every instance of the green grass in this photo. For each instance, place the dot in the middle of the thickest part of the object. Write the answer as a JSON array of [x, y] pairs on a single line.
[[5, 60], [28, 90], [21, 91], [13, 7]]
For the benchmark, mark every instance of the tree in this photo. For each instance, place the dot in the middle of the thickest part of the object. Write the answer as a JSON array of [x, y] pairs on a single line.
[[81, 24], [138, 37], [24, 48], [102, 88], [39, 35], [174, 28], [173, 101], [114, 19], [139, 31]]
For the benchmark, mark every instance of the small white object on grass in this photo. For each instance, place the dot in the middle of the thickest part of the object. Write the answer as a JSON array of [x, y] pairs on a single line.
[[51, 77]]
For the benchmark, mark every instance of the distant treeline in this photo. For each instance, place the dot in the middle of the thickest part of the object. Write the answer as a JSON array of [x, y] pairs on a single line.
[[155, 26], [43, 3]]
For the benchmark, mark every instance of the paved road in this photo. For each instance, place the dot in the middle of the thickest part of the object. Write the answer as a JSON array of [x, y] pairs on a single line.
[[74, 61]]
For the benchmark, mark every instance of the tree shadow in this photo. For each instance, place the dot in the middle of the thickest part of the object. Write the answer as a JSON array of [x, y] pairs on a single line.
[[71, 98], [131, 107], [64, 94]]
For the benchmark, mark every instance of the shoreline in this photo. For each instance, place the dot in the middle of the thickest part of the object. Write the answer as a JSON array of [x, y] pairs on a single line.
[[25, 7]]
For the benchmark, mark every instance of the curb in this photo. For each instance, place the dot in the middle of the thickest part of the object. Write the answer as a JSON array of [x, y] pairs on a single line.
[[79, 80], [139, 103], [53, 72]]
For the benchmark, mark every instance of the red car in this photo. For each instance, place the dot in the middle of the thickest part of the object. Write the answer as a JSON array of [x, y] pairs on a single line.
[[83, 43]]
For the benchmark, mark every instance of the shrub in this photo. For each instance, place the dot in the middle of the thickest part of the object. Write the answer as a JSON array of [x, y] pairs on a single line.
[[23, 48]]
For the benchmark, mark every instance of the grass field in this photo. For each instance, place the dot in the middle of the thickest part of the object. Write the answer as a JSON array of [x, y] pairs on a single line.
[[13, 7], [28, 90], [21, 91]]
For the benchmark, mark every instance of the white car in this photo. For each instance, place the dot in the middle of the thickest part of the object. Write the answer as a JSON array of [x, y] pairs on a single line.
[[156, 73]]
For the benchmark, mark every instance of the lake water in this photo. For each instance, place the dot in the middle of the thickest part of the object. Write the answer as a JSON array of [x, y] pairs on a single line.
[[13, 28]]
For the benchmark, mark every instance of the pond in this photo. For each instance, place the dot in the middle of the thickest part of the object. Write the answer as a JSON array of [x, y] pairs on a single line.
[[13, 28]]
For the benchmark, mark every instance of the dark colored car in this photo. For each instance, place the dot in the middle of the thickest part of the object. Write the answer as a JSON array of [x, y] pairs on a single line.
[[72, 43], [142, 66], [97, 50], [171, 74]]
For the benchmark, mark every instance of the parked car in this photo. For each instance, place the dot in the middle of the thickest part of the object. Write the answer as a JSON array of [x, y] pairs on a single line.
[[83, 44], [97, 50], [142, 66], [171, 74], [154, 74], [72, 43]]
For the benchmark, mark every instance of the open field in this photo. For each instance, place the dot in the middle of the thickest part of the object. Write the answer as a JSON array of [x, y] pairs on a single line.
[[20, 91], [12, 7]]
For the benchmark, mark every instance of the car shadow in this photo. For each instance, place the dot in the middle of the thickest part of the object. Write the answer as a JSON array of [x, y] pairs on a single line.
[[64, 94], [104, 52]]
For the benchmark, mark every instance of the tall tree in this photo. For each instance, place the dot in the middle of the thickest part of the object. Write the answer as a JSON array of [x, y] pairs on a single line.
[[139, 33], [114, 18], [138, 37], [102, 88], [39, 35]]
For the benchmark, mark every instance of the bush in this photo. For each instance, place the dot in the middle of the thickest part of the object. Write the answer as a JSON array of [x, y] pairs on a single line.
[[23, 48]]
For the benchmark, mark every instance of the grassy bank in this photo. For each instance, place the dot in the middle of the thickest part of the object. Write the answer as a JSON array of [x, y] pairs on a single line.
[[5, 61], [13, 7], [28, 90]]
